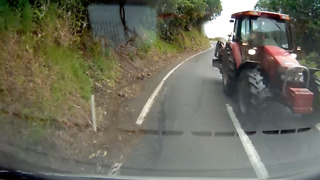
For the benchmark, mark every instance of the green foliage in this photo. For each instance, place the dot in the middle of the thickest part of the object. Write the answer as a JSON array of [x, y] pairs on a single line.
[[312, 60], [26, 19], [102, 66], [143, 47], [17, 18], [268, 5], [164, 47], [184, 14], [70, 67], [186, 40], [105, 67], [20, 14], [76, 11]]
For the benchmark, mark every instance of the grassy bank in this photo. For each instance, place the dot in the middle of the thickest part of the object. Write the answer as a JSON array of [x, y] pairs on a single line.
[[49, 70]]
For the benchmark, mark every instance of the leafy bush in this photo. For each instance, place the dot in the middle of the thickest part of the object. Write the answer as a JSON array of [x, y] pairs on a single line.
[[184, 14], [305, 17], [313, 59], [15, 18]]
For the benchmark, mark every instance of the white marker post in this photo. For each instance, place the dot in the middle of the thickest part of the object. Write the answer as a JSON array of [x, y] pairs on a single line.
[[93, 113]]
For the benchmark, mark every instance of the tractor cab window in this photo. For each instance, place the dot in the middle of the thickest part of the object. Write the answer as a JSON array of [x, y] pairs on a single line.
[[245, 30], [269, 32], [235, 30]]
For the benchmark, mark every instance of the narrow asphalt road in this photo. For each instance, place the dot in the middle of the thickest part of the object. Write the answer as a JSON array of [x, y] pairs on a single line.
[[189, 132]]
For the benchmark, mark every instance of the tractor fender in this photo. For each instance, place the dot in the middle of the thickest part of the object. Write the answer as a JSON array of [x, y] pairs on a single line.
[[236, 53], [247, 65]]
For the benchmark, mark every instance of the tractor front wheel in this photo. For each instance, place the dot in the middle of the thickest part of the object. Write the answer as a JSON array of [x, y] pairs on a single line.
[[252, 92]]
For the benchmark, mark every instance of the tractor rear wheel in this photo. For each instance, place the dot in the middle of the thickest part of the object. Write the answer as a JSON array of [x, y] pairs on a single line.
[[218, 48], [228, 72], [252, 92]]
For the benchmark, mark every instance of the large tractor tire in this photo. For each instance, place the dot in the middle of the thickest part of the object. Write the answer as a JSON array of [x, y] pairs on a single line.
[[315, 88], [252, 92], [228, 72]]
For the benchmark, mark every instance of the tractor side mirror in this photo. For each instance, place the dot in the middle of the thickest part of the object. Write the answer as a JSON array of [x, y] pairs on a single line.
[[292, 36], [231, 20]]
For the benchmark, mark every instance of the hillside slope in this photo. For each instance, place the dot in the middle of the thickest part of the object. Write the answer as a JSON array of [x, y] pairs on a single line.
[[50, 66]]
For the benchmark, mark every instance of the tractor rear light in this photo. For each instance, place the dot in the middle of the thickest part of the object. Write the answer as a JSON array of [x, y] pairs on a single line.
[[300, 100]]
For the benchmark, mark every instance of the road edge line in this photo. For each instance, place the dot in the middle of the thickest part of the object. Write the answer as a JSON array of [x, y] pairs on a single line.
[[255, 160], [145, 110]]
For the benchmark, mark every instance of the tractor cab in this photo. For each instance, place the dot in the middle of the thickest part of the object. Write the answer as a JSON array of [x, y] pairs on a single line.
[[254, 30]]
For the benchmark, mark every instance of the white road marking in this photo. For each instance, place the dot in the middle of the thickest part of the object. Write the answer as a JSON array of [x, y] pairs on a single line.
[[151, 99], [115, 168], [252, 153]]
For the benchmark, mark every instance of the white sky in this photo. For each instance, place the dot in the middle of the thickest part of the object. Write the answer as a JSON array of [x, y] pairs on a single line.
[[221, 27]]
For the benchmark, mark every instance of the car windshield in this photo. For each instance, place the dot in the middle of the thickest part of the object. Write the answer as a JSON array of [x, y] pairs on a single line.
[[157, 89], [270, 32]]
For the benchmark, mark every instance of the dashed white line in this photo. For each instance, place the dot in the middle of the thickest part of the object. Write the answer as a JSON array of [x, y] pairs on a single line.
[[151, 99], [252, 153]]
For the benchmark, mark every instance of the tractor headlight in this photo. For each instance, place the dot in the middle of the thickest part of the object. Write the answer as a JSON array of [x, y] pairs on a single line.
[[293, 55], [252, 51]]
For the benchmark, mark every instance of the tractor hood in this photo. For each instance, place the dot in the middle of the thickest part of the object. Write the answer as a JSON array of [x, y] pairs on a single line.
[[276, 60], [280, 56]]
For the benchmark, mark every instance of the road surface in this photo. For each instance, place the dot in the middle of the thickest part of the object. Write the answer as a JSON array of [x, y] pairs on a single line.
[[190, 131]]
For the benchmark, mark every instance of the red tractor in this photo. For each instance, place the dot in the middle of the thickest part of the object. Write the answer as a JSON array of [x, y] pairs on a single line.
[[258, 64]]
